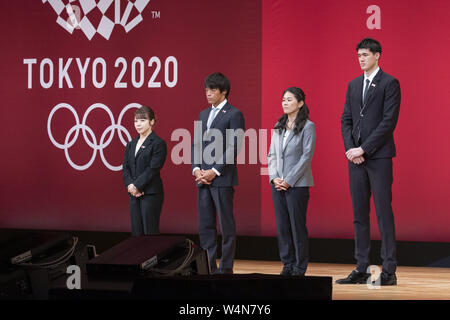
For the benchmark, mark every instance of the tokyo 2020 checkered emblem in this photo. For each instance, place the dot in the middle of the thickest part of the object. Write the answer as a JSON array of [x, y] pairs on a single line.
[[91, 16]]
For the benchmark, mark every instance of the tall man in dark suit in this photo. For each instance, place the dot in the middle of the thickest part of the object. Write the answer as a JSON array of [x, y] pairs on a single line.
[[370, 115], [217, 138]]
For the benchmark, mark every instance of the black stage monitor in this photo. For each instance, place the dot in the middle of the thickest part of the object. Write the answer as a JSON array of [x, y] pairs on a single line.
[[134, 255], [30, 245]]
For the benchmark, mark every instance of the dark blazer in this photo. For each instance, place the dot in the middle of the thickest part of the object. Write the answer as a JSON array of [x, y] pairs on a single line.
[[376, 119], [143, 169], [225, 162]]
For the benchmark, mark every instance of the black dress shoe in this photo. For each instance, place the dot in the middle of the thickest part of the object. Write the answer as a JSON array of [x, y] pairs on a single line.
[[225, 271], [297, 273], [386, 279], [355, 278], [286, 271]]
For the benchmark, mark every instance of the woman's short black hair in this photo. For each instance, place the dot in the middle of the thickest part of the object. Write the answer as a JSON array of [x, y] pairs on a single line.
[[145, 112], [371, 44], [218, 81]]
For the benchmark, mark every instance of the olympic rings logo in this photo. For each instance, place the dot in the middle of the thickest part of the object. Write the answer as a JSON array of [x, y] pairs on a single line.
[[92, 142]]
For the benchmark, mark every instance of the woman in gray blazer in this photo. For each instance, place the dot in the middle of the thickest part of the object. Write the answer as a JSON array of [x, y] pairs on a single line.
[[290, 174]]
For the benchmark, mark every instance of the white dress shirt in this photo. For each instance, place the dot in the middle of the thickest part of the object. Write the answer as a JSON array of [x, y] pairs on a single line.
[[138, 145], [286, 135], [372, 75], [220, 106]]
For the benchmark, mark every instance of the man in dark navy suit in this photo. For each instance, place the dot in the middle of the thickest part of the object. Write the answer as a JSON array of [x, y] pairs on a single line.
[[370, 116], [214, 151]]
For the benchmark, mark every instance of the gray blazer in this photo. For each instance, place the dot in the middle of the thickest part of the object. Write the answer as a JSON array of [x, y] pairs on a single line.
[[293, 161]]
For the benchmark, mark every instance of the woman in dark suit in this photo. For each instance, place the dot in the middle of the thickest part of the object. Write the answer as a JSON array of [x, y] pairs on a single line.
[[144, 158], [290, 155]]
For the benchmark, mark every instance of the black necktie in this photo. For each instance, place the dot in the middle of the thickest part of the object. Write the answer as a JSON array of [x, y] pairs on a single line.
[[366, 88]]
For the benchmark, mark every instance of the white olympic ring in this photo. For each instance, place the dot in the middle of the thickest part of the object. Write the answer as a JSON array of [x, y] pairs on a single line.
[[93, 141]]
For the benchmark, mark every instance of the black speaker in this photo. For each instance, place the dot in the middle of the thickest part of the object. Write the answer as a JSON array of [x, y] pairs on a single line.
[[134, 255], [49, 260], [113, 274]]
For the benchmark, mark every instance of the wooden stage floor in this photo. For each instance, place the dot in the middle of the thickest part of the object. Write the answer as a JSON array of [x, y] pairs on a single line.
[[413, 283]]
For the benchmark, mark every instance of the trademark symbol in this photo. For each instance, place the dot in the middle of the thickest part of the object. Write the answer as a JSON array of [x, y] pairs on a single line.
[[156, 14]]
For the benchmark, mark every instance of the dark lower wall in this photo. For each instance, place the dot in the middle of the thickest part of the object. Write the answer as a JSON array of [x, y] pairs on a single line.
[[420, 254]]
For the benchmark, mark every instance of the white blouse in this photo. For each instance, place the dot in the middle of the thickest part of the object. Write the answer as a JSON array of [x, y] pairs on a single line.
[[285, 136], [138, 145]]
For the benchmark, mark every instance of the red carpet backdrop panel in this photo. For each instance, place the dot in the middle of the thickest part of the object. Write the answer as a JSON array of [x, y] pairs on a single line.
[[73, 73]]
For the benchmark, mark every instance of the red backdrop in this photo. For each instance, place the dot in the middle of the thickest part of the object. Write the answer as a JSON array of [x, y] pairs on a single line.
[[263, 47], [39, 188], [311, 44]]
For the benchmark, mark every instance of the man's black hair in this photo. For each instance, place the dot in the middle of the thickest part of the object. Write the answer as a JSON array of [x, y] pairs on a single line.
[[370, 44], [218, 81]]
